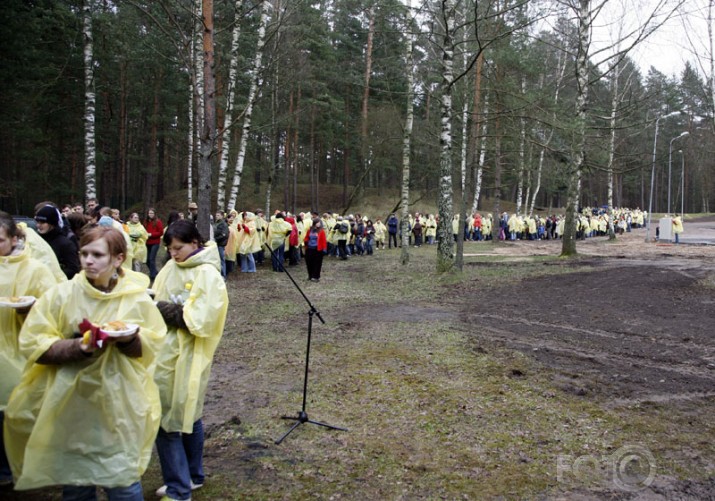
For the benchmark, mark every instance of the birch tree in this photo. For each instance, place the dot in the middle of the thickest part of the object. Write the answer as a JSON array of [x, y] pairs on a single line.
[[444, 202], [407, 138], [230, 96], [585, 12], [90, 155], [248, 112]]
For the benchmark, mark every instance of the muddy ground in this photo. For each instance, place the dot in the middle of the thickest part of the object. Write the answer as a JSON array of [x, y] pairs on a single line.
[[624, 326]]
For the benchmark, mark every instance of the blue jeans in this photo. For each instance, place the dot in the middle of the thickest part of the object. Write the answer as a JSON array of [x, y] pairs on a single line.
[[133, 492], [222, 255], [278, 258], [5, 473], [248, 263], [151, 259], [181, 458]]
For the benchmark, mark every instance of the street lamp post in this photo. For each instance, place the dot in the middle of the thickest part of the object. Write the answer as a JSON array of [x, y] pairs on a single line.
[[682, 184], [670, 158], [652, 173]]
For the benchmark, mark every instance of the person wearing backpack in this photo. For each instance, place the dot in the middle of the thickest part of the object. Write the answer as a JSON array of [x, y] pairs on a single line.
[[392, 226], [342, 229]]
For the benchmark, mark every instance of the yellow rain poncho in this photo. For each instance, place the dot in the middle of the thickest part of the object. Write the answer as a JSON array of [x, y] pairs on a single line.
[[41, 250], [184, 364], [90, 422], [138, 236], [20, 275], [250, 241]]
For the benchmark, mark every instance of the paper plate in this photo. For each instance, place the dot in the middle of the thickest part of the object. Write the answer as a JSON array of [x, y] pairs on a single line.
[[131, 329], [24, 301]]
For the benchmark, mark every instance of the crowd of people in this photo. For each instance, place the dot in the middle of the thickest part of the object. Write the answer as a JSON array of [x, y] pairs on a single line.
[[81, 407], [95, 371]]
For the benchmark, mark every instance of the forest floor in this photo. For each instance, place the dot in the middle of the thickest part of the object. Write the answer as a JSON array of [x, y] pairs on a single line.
[[526, 376]]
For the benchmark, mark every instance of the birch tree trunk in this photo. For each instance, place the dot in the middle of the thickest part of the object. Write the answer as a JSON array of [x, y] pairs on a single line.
[[459, 255], [612, 148], [522, 146], [90, 152], [227, 131], [445, 245], [406, 141], [208, 131], [248, 112], [568, 247], [482, 157]]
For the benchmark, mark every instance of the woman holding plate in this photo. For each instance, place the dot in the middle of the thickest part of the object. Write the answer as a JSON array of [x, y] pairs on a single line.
[[22, 279], [87, 409]]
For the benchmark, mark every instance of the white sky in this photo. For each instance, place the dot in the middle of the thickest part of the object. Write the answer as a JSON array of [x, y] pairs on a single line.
[[668, 48]]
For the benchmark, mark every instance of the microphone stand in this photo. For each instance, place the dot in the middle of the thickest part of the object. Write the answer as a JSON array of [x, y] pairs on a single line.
[[302, 414]]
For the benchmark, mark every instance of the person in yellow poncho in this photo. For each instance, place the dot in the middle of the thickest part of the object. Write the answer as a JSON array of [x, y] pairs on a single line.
[[677, 228], [250, 243], [231, 250], [192, 299], [20, 275], [138, 236], [85, 414], [278, 230]]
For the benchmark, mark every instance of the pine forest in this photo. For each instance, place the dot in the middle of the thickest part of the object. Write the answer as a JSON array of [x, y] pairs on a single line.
[[505, 101]]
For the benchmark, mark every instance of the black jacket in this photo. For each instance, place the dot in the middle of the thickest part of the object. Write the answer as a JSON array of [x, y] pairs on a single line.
[[66, 251]]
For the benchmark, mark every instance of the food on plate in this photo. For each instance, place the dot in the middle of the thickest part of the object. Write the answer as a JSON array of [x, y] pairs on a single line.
[[12, 299], [114, 326]]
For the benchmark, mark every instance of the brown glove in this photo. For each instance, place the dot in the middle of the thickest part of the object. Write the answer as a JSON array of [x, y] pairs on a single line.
[[173, 314]]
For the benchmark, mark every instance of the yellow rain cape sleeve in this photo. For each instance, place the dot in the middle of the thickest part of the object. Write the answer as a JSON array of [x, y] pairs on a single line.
[[184, 363], [20, 275], [91, 422]]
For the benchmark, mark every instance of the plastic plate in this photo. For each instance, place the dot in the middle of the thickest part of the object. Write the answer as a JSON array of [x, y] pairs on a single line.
[[131, 329], [24, 301]]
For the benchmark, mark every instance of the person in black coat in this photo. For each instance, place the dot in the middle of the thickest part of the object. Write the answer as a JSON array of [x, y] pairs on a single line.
[[50, 227]]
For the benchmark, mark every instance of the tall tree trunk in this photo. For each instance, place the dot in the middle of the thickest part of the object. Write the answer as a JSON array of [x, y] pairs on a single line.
[[482, 157], [287, 155], [522, 156], [497, 151], [568, 247], [208, 131], [296, 127], [476, 144], [445, 246], [612, 149], [227, 129], [364, 153], [90, 154], [123, 123], [248, 112], [459, 255], [407, 141]]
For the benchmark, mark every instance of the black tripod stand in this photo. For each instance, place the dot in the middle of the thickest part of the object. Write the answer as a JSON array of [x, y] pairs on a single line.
[[302, 415]]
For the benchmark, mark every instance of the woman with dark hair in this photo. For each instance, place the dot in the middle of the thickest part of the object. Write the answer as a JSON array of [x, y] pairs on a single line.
[[316, 244], [50, 226], [155, 228], [20, 276], [192, 298], [87, 410], [174, 216]]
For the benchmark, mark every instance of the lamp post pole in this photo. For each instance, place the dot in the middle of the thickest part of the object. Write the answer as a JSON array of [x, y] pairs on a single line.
[[670, 158], [652, 173], [682, 184]]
